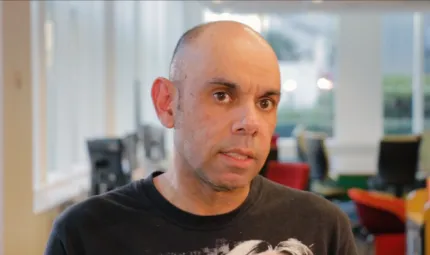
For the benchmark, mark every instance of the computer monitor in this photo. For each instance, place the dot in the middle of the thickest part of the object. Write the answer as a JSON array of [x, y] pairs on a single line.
[[109, 168]]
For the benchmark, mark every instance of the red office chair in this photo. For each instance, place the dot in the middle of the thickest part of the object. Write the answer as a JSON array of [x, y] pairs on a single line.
[[384, 217], [294, 175], [273, 154], [274, 141]]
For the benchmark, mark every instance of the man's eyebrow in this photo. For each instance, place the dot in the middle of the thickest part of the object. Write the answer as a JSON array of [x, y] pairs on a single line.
[[272, 93], [224, 82], [233, 85]]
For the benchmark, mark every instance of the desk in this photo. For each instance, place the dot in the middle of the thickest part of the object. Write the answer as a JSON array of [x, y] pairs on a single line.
[[416, 218], [415, 223], [415, 236]]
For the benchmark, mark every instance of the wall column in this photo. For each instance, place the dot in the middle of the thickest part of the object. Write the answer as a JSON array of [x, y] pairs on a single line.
[[418, 74], [358, 93]]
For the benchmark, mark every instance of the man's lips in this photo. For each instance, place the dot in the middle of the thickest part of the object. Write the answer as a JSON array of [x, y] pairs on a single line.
[[239, 153], [236, 155]]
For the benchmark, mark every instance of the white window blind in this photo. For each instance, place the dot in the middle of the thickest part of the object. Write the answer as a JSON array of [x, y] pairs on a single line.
[[75, 79]]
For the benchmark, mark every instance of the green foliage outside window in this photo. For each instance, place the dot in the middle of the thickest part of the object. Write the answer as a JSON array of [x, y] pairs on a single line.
[[397, 91], [398, 103]]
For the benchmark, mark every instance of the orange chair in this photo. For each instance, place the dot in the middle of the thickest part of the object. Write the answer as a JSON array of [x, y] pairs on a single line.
[[294, 175], [384, 217]]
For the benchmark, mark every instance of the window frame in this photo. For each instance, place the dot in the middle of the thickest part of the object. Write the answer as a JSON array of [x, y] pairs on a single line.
[[52, 188]]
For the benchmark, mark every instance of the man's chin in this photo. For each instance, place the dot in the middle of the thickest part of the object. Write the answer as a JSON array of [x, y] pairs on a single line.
[[227, 184], [225, 181]]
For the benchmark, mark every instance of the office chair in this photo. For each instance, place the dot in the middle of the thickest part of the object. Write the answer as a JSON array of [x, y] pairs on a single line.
[[397, 164], [301, 147], [317, 157], [293, 175], [318, 160], [384, 218], [273, 154], [153, 138], [152, 141], [130, 142], [424, 157], [299, 134], [109, 169]]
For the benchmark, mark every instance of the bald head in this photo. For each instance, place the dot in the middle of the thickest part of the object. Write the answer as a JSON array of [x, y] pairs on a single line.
[[222, 95], [208, 36]]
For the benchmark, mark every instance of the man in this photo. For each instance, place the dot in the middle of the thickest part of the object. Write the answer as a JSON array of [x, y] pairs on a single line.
[[221, 100]]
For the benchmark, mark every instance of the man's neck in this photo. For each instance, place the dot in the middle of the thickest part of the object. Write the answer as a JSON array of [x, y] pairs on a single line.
[[188, 193]]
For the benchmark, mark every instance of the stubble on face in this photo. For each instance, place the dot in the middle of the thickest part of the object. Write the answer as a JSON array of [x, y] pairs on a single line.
[[199, 171]]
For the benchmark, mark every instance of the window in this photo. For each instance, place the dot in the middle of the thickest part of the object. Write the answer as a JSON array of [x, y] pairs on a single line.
[[124, 70], [74, 106], [88, 59], [305, 45], [397, 43]]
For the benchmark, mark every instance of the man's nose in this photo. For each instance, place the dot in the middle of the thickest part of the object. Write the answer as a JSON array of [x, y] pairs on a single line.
[[247, 123]]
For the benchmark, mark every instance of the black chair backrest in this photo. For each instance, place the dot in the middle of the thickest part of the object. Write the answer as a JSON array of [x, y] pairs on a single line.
[[130, 142], [153, 138], [398, 160], [299, 133], [107, 165], [301, 153], [317, 157]]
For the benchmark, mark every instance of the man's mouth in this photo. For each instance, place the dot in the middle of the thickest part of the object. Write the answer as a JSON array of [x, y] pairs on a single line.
[[236, 155]]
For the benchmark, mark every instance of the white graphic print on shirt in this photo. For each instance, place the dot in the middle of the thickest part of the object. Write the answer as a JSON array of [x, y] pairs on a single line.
[[254, 247], [291, 247]]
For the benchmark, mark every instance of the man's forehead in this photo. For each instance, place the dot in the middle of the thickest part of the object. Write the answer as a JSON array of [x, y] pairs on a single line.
[[240, 77], [228, 61], [242, 57]]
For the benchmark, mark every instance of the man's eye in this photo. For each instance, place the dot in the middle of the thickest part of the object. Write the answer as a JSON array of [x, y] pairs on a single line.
[[222, 97], [266, 104]]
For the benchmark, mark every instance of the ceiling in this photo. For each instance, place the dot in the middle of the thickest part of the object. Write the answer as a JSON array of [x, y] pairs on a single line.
[[316, 5]]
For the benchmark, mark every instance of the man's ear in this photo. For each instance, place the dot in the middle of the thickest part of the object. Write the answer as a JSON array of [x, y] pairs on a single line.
[[163, 94]]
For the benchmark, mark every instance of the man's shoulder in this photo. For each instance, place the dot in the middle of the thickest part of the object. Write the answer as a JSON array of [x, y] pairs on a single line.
[[305, 203], [107, 207], [310, 216]]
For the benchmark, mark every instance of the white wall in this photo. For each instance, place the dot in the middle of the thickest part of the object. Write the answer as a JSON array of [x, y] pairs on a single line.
[[358, 96]]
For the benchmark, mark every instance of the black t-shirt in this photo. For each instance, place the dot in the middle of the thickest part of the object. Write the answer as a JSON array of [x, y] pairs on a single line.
[[136, 220]]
